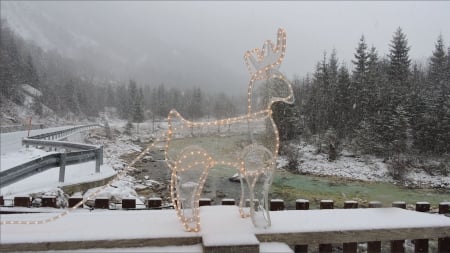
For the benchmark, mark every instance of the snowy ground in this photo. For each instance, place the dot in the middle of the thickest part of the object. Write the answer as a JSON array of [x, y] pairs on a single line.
[[46, 183], [11, 142], [14, 154], [365, 168]]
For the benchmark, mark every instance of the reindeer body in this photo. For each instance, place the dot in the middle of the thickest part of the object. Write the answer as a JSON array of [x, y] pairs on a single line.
[[248, 143]]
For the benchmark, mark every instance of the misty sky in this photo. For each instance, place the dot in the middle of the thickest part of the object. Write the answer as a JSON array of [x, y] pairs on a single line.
[[225, 30]]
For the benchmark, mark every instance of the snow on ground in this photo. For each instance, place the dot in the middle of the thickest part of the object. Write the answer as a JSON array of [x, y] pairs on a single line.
[[48, 180], [116, 191], [14, 154], [366, 168], [11, 142], [12, 159]]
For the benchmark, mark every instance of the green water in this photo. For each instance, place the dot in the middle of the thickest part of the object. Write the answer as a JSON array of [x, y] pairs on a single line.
[[290, 187]]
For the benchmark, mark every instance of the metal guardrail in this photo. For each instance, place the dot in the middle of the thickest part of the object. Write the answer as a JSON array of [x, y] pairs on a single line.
[[74, 153]]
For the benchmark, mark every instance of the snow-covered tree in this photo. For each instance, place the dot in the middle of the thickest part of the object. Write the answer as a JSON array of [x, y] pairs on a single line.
[[399, 61]]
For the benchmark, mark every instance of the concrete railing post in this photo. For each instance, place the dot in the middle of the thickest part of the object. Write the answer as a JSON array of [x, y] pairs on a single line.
[[62, 165]]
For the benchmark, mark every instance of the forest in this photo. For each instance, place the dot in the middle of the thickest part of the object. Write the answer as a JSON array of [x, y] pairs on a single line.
[[382, 105]]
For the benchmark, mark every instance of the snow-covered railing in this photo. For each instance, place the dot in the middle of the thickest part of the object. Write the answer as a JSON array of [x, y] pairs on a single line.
[[73, 153], [223, 231]]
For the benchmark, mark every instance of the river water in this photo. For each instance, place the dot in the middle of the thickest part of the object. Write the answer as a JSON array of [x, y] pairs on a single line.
[[289, 187]]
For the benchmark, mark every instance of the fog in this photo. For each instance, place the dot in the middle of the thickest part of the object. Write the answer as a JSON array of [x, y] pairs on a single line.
[[202, 43]]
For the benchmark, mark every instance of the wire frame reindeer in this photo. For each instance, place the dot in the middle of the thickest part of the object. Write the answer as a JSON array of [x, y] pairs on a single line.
[[248, 143]]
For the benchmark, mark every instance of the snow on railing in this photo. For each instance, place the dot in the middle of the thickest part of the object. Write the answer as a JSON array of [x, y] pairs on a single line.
[[378, 229]]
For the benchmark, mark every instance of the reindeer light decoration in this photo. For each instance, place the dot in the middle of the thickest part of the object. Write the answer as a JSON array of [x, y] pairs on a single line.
[[248, 143]]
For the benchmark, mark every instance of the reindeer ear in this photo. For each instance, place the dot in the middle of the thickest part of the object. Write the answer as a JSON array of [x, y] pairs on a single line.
[[270, 57], [251, 61], [281, 42]]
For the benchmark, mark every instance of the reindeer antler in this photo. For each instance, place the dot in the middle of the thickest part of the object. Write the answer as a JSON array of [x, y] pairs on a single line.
[[267, 58]]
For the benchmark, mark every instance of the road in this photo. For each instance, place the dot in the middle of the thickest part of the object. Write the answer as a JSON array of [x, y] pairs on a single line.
[[12, 142]]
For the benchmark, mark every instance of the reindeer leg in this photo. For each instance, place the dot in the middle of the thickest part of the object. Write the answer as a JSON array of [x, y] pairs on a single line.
[[188, 178], [255, 166]]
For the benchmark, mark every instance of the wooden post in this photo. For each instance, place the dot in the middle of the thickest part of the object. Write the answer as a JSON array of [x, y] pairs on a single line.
[[421, 245], [399, 204], [154, 203], [276, 205], [75, 200], [301, 204], [398, 246], [228, 202], [49, 201], [24, 201], [204, 202], [62, 166], [375, 246], [128, 203], [350, 204], [375, 204], [326, 204], [444, 243], [102, 203], [350, 247]]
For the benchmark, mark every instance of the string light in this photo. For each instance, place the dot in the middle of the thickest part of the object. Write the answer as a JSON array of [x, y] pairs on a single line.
[[185, 149], [263, 65]]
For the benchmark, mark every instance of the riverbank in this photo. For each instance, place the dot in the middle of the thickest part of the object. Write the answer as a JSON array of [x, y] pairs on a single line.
[[362, 167]]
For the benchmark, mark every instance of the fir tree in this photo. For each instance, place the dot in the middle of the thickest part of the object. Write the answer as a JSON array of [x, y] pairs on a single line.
[[399, 62], [343, 103]]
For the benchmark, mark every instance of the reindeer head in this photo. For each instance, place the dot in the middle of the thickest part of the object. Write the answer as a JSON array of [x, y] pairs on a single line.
[[263, 65], [262, 61]]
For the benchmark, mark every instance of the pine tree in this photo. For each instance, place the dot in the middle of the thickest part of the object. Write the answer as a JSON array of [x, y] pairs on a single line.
[[331, 92], [438, 85], [138, 108], [399, 64], [360, 62], [122, 101], [392, 126], [343, 103]]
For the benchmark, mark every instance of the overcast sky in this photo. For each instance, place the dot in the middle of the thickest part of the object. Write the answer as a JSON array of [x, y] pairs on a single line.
[[225, 30]]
